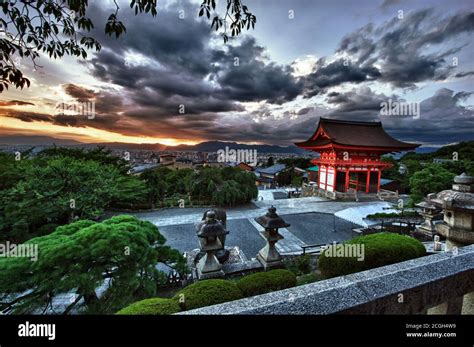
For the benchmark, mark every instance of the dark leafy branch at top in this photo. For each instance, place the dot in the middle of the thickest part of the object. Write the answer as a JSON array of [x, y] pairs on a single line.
[[61, 27], [236, 18]]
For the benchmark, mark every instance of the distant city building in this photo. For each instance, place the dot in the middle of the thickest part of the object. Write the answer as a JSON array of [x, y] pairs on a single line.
[[167, 159], [245, 167], [268, 176]]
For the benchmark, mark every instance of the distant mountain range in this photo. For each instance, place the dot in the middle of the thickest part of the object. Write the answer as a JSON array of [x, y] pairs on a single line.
[[34, 140], [214, 146], [208, 146]]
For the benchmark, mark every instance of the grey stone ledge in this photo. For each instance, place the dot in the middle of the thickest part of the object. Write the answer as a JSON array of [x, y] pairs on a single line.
[[429, 280]]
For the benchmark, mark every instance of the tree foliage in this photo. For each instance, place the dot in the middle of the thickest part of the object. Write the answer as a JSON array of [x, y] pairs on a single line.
[[99, 154], [270, 161], [55, 189], [118, 255], [393, 172], [302, 163], [218, 186], [61, 27], [462, 150], [237, 17], [223, 187], [432, 179], [155, 181], [459, 159]]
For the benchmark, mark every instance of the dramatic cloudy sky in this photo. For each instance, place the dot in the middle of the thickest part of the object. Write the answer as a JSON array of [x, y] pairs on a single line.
[[304, 60]]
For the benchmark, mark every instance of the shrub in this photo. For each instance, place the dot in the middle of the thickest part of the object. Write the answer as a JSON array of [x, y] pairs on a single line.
[[264, 282], [154, 306], [308, 278], [379, 249], [381, 215], [206, 293], [300, 265]]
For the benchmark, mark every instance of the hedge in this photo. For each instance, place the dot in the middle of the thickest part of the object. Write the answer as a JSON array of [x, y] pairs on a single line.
[[206, 293], [381, 215], [264, 282], [379, 250], [300, 265], [154, 306]]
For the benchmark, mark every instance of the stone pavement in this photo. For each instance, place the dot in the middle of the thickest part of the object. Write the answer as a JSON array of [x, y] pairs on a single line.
[[289, 245], [284, 206], [312, 222], [268, 194]]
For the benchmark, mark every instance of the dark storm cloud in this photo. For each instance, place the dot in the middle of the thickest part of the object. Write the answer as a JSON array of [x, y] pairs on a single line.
[[359, 43], [394, 52], [15, 103], [26, 116], [304, 111], [337, 73], [358, 104], [244, 75], [163, 64], [442, 117], [108, 106], [79, 93], [107, 101], [181, 44], [464, 74], [387, 3], [182, 67], [401, 46], [186, 63]]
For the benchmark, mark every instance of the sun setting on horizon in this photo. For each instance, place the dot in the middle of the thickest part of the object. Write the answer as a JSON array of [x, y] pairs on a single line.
[[81, 134]]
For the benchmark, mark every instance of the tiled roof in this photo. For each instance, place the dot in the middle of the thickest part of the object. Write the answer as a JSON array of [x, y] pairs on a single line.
[[271, 170], [352, 133]]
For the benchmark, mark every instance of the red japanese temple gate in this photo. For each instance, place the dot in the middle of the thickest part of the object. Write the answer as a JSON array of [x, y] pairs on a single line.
[[350, 154]]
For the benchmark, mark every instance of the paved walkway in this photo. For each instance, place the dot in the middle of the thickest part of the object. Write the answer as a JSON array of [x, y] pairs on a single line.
[[357, 213], [269, 194], [284, 206], [311, 218], [290, 243]]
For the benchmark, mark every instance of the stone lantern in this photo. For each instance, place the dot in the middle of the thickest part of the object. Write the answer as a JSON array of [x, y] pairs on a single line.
[[209, 233], [221, 216], [457, 226], [458, 209], [430, 213], [271, 222]]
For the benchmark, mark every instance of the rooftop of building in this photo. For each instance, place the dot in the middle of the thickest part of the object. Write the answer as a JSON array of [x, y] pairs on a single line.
[[355, 134], [271, 170]]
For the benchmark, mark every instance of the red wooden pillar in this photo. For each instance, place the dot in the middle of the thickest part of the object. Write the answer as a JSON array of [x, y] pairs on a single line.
[[326, 178], [367, 182], [319, 170], [346, 185], [378, 181]]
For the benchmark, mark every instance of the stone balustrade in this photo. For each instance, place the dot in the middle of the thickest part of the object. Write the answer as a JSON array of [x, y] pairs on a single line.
[[442, 283]]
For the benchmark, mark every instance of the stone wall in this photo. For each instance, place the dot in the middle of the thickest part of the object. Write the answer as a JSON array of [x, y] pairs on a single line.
[[440, 283]]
